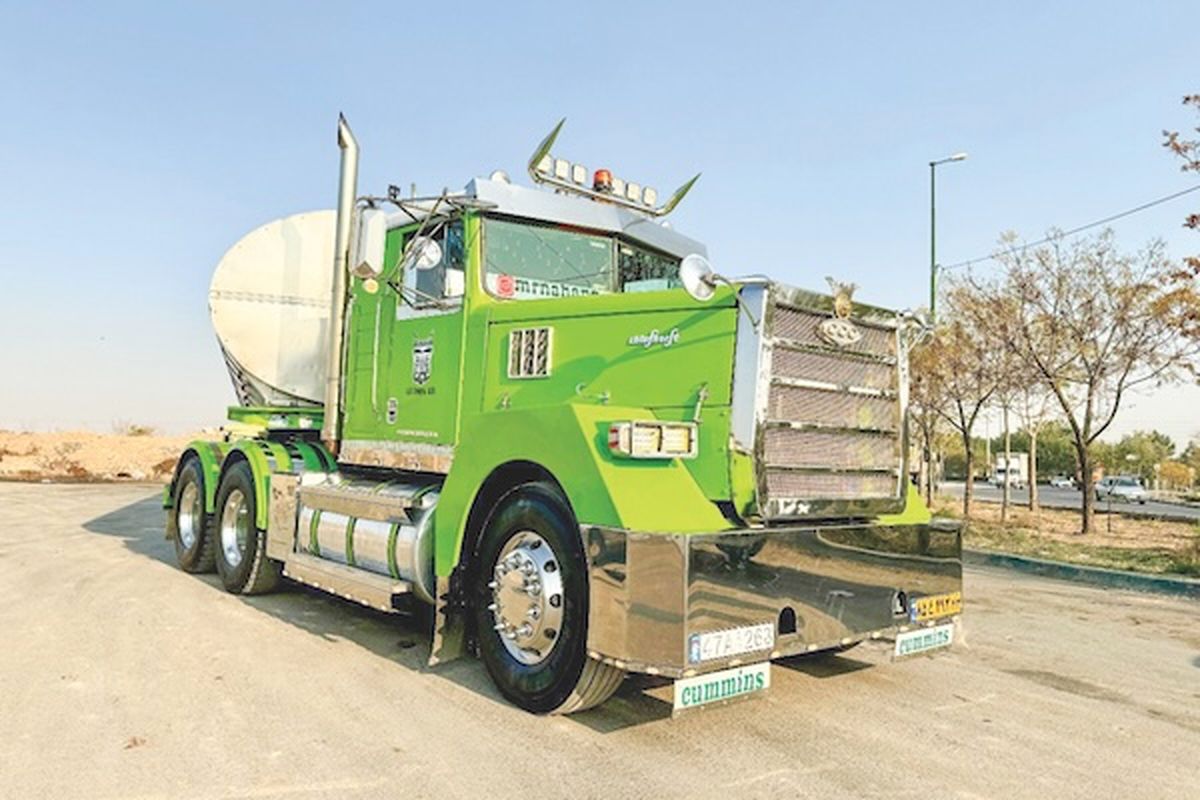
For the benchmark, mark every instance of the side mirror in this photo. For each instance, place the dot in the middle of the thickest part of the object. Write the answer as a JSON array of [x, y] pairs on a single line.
[[369, 249], [423, 254], [698, 277]]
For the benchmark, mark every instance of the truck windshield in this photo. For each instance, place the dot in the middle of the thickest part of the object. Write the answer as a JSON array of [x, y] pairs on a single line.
[[527, 261]]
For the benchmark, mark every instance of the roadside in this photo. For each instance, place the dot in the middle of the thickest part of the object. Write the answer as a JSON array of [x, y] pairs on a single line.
[[1151, 546], [134, 453]]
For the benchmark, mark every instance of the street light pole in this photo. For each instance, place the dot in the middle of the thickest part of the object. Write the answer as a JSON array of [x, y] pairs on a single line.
[[933, 268]]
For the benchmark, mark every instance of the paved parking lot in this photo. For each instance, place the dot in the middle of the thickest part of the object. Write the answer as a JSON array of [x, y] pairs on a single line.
[[122, 677]]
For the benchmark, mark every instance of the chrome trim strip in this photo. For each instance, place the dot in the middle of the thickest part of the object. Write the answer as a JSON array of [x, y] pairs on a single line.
[[821, 426], [825, 386], [826, 350]]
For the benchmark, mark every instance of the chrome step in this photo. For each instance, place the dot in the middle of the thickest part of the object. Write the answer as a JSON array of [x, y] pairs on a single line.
[[362, 501], [368, 588]]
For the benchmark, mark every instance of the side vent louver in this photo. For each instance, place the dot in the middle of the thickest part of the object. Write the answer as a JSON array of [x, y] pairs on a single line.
[[529, 352]]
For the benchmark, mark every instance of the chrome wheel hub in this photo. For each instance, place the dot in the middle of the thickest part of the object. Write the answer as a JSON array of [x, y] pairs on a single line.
[[235, 527], [527, 597], [190, 514]]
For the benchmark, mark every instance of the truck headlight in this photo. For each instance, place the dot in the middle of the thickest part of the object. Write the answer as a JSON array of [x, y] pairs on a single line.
[[649, 439]]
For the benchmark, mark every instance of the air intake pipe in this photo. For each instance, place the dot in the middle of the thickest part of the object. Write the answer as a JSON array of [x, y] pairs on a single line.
[[331, 431]]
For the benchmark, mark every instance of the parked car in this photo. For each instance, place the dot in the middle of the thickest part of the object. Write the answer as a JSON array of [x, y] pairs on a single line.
[[1062, 482], [1121, 487]]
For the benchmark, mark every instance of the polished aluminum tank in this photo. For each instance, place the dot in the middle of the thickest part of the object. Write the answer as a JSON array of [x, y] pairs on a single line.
[[269, 302]]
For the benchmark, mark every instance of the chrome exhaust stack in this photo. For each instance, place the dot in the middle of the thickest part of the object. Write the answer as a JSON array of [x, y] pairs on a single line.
[[331, 430]]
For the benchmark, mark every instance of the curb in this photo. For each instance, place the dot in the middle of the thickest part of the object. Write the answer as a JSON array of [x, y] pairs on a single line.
[[1095, 576]]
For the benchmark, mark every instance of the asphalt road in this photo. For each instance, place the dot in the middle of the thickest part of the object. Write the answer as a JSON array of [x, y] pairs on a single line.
[[1070, 498], [122, 677]]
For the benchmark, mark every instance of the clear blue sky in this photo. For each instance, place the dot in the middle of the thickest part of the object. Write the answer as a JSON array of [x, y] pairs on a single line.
[[141, 141]]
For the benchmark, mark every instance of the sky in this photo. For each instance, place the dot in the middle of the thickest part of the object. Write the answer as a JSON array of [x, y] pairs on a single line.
[[142, 140]]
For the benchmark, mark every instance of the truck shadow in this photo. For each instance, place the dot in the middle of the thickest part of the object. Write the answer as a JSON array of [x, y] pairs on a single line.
[[403, 639]]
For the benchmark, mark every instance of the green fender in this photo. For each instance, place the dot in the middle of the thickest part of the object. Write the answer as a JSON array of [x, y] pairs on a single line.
[[571, 442], [915, 511], [211, 455], [264, 458]]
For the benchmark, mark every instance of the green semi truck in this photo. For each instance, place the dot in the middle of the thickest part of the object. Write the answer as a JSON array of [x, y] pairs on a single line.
[[541, 412]]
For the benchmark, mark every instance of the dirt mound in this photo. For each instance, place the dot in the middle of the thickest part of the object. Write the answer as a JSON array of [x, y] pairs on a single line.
[[86, 456]]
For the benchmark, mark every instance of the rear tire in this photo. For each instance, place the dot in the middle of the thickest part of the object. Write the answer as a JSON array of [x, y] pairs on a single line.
[[531, 605], [192, 524], [241, 546]]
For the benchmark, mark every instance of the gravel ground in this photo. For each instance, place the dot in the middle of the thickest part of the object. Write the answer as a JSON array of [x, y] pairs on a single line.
[[122, 677]]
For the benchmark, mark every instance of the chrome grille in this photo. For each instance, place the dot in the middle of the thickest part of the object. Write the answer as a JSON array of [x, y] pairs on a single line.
[[831, 434], [818, 449], [800, 325], [784, 486], [832, 407]]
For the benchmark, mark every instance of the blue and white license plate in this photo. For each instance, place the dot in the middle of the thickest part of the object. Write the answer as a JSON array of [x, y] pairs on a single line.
[[727, 684], [732, 642], [922, 640]]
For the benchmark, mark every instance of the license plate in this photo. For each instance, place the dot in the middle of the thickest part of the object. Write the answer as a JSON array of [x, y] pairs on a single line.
[[733, 642], [934, 606], [724, 685], [919, 641]]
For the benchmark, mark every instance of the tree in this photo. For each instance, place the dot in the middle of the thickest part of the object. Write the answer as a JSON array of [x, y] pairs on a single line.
[[1137, 453], [1189, 151], [1034, 408], [1091, 323], [1175, 475], [923, 404], [955, 365]]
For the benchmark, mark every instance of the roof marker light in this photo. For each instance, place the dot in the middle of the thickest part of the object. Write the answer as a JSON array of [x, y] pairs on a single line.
[[602, 181]]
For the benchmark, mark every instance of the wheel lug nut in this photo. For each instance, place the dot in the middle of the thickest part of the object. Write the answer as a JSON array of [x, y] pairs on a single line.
[[556, 600]]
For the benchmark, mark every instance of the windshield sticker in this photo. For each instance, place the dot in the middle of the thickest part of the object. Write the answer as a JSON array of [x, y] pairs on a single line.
[[517, 287]]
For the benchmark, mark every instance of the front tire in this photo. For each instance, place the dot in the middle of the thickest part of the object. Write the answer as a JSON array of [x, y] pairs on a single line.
[[192, 524], [531, 605], [241, 546]]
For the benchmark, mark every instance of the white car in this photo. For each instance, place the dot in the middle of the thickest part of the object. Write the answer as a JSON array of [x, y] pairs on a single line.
[[1062, 482], [1121, 487]]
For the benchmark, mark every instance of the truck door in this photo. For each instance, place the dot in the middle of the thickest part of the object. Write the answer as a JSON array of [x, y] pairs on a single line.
[[426, 340], [404, 355]]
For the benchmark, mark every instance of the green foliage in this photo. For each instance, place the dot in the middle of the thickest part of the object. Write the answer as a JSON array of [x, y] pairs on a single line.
[[1136, 454], [1055, 449]]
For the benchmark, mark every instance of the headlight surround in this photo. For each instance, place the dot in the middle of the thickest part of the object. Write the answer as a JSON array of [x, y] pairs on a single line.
[[653, 439]]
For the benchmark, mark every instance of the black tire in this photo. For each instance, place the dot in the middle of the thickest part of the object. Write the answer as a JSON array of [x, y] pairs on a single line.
[[246, 570], [566, 680], [190, 523]]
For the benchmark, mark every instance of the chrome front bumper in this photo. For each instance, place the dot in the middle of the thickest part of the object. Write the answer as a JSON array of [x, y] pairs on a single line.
[[821, 586]]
